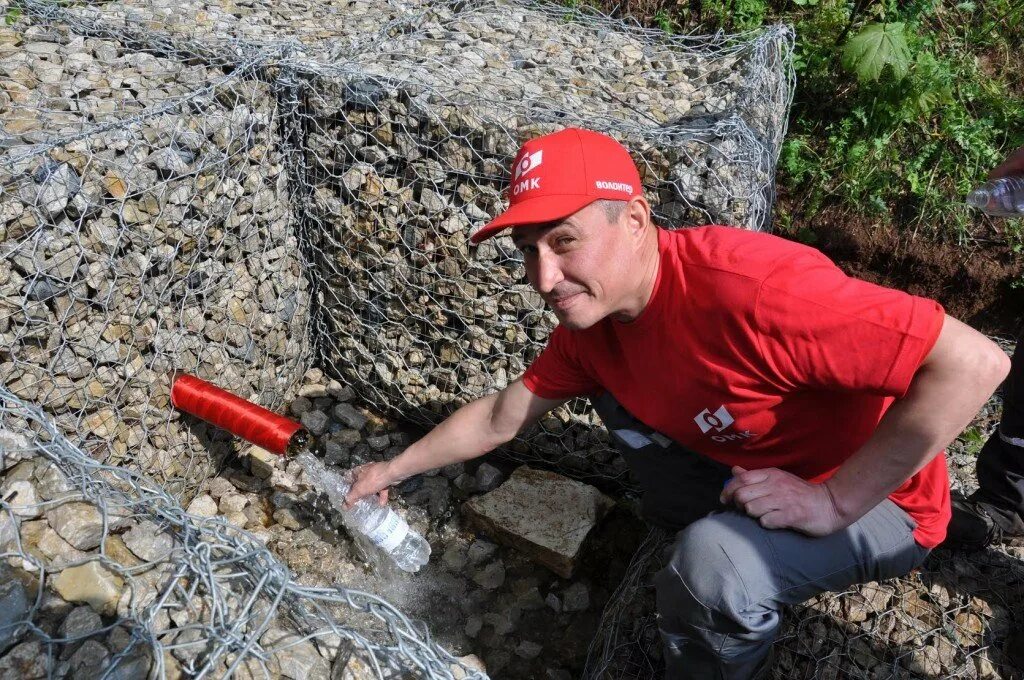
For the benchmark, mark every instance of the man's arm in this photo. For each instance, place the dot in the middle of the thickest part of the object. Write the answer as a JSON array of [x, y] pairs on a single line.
[[473, 430], [951, 385]]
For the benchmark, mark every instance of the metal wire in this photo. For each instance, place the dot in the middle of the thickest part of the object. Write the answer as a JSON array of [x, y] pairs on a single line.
[[243, 194], [396, 124], [959, 616], [232, 588]]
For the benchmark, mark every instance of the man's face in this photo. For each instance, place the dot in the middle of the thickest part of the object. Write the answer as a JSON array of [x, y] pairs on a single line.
[[580, 265]]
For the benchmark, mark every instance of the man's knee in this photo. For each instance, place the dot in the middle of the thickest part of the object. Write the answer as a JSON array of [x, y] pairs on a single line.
[[719, 575]]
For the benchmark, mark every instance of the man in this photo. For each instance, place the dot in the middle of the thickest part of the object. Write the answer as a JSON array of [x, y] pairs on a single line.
[[996, 510], [788, 419]]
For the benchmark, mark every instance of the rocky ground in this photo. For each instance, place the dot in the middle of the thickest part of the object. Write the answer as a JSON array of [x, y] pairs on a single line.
[[478, 597], [956, 618]]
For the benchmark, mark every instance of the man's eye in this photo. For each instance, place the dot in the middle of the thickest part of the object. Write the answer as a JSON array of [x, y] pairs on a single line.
[[565, 240]]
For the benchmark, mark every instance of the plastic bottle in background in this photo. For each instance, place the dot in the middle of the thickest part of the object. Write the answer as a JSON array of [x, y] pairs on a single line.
[[382, 525], [1000, 198]]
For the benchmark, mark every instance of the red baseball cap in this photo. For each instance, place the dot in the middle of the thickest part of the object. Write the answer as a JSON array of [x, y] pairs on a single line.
[[555, 175]]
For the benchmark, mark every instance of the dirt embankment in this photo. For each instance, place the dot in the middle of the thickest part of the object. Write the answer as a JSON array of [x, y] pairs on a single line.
[[975, 283]]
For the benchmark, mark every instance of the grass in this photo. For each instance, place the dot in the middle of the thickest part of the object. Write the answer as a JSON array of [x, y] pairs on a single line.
[[972, 440], [899, 132]]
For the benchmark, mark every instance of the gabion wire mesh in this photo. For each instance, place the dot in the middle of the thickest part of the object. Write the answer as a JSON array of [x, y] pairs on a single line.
[[397, 144], [149, 231], [626, 643], [468, 44], [401, 163], [163, 591]]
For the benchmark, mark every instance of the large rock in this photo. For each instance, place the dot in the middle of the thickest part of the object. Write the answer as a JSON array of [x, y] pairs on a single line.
[[23, 501], [80, 623], [51, 482], [298, 658], [58, 552], [92, 584], [91, 659], [81, 524], [149, 542], [543, 514], [14, 606], [202, 506], [27, 660], [14, 448]]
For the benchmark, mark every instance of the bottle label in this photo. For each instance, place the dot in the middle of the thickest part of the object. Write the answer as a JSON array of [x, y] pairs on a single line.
[[390, 533]]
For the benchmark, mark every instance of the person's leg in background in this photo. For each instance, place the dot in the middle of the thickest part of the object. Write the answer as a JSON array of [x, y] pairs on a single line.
[[996, 509], [720, 598]]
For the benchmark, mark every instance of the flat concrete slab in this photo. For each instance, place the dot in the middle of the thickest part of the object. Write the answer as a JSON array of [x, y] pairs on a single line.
[[542, 514]]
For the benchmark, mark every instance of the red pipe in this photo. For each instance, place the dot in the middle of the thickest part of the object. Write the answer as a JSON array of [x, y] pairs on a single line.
[[241, 418]]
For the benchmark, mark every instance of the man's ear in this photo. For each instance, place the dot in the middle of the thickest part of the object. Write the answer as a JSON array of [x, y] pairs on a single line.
[[638, 217]]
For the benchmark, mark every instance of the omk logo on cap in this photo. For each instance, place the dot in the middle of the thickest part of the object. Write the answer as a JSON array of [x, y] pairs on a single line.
[[582, 166], [528, 163]]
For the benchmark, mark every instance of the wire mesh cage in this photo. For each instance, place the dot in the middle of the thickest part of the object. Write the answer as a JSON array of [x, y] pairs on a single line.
[[955, 617], [404, 157], [146, 228], [396, 145], [105, 574]]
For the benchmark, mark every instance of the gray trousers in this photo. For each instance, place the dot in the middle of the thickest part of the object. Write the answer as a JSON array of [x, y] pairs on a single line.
[[720, 597]]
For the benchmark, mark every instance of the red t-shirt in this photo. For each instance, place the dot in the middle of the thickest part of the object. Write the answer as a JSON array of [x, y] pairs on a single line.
[[760, 352]]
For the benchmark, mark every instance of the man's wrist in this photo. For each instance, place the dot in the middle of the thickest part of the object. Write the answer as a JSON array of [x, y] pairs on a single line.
[[843, 515], [393, 471]]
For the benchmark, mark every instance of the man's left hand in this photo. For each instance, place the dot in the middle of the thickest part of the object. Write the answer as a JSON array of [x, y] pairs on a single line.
[[780, 500]]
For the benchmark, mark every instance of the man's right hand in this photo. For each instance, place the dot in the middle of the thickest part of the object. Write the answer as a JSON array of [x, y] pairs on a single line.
[[1014, 165], [369, 479], [472, 431]]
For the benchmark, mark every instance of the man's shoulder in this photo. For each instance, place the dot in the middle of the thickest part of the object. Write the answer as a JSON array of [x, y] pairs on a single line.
[[735, 251]]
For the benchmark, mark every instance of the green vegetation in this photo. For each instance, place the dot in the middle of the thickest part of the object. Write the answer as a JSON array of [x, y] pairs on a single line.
[[972, 440], [901, 106]]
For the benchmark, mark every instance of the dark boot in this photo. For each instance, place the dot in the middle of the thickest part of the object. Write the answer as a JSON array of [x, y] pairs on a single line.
[[1001, 472], [996, 510], [972, 526]]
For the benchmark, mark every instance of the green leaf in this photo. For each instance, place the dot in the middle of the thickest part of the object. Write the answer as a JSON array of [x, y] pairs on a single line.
[[876, 47]]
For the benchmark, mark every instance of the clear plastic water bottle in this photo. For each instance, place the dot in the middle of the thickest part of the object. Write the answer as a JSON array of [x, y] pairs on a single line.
[[382, 525], [1000, 198]]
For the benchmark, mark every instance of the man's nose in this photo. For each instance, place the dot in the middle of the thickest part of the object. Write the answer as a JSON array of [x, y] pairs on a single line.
[[549, 273]]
